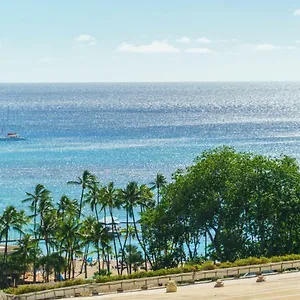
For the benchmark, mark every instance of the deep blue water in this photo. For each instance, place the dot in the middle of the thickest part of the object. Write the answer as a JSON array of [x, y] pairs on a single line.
[[132, 131]]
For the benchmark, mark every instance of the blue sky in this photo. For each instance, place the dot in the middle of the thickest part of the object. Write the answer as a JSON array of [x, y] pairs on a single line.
[[149, 40]]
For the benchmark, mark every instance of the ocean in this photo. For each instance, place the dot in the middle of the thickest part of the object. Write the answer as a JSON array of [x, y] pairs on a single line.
[[125, 132]]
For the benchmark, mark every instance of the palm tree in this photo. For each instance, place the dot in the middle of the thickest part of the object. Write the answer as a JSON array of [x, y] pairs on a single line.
[[26, 252], [86, 181], [41, 194], [146, 198], [45, 206], [100, 239], [87, 233], [158, 183], [130, 234], [146, 201], [111, 199], [134, 257], [93, 197], [68, 233], [132, 196], [67, 207], [10, 220], [48, 227]]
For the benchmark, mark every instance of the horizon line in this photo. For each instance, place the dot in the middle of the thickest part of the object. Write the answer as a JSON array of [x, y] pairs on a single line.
[[191, 81]]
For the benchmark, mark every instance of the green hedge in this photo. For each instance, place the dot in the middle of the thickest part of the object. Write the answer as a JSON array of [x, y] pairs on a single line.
[[30, 288], [209, 265]]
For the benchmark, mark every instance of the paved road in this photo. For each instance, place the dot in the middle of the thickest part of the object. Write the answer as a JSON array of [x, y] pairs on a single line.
[[282, 286]]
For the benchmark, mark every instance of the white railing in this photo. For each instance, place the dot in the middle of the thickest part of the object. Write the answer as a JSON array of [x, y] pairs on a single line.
[[148, 282]]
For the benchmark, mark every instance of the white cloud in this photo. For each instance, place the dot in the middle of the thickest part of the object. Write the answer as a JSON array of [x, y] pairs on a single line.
[[154, 47], [265, 47], [184, 40], [297, 41], [296, 12], [85, 39], [203, 40], [198, 50]]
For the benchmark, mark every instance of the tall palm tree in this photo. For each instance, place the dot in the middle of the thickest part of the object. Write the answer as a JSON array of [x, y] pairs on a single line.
[[26, 251], [11, 219], [132, 196], [40, 194], [111, 200], [47, 228], [86, 234], [100, 239], [86, 181], [67, 207], [45, 206], [146, 198], [158, 183], [93, 197], [68, 233], [130, 234]]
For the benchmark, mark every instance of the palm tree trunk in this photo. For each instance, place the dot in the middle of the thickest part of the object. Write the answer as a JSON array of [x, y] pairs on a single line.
[[35, 237], [125, 240], [130, 254], [80, 204], [140, 242], [96, 213], [5, 258], [114, 238], [98, 259]]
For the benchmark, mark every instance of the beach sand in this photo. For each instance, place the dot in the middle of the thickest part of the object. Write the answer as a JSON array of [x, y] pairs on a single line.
[[92, 268], [281, 286]]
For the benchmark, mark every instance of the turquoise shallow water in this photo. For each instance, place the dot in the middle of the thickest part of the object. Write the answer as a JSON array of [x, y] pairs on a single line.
[[124, 132]]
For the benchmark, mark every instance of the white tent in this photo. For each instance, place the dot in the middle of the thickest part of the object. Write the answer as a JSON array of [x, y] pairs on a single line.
[[109, 221]]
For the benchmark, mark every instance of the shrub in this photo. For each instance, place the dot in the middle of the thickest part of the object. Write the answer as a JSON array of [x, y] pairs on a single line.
[[227, 264], [252, 261], [208, 265]]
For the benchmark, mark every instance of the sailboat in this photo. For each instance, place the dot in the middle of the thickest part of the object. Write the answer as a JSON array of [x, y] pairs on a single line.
[[10, 136]]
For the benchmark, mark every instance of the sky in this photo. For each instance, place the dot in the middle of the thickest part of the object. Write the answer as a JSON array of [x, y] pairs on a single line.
[[149, 40]]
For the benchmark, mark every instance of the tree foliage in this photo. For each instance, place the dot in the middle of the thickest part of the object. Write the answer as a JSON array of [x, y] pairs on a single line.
[[244, 204], [227, 205]]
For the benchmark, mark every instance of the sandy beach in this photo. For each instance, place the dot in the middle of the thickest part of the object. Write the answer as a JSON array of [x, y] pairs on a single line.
[[93, 267], [281, 286]]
